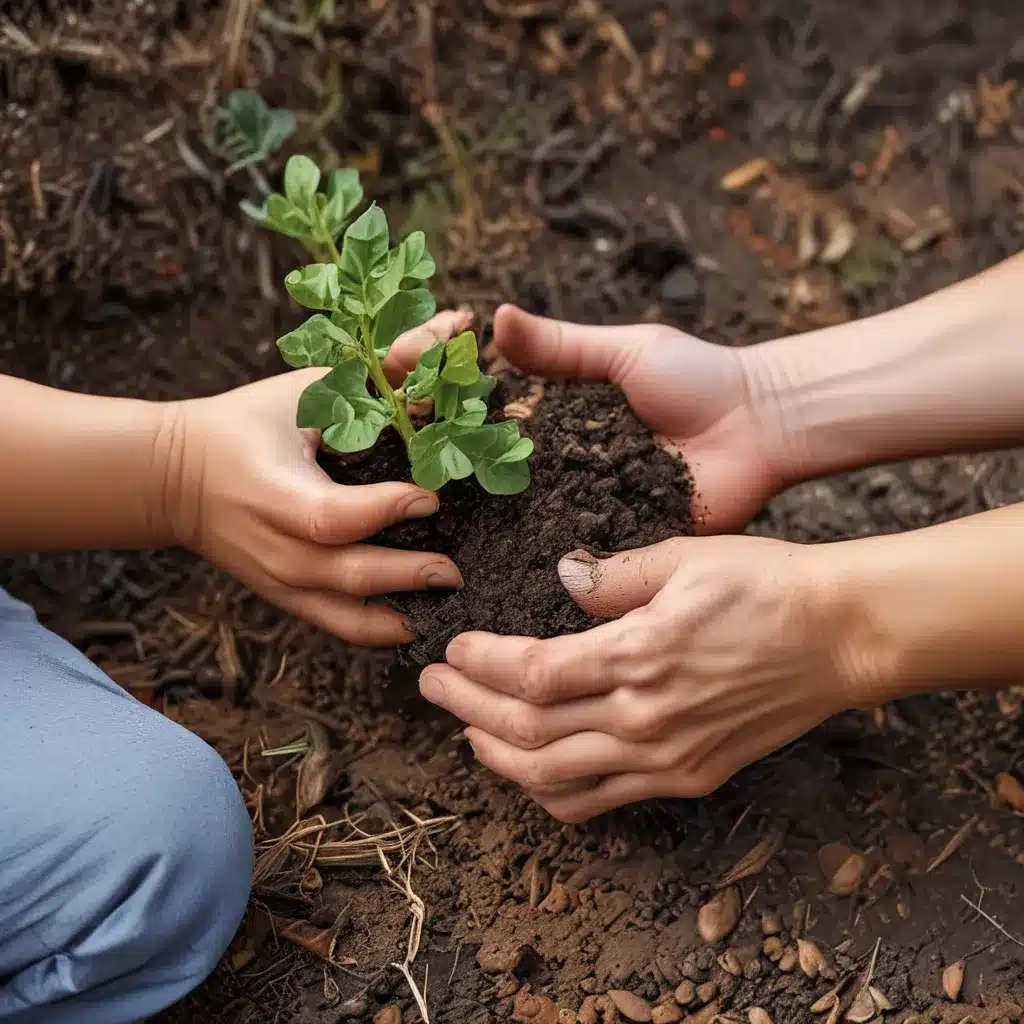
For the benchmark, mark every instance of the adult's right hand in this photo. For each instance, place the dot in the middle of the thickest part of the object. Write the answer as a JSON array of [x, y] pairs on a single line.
[[698, 397]]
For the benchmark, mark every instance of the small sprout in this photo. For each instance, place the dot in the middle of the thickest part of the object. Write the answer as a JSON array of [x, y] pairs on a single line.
[[247, 132], [366, 294]]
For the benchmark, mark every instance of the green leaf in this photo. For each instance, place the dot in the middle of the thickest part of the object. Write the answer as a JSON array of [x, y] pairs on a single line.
[[450, 399], [348, 323], [403, 312], [318, 342], [473, 414], [419, 264], [349, 416], [280, 126], [460, 360], [285, 217], [436, 458], [344, 194], [315, 286], [499, 457], [366, 245], [301, 178], [420, 382]]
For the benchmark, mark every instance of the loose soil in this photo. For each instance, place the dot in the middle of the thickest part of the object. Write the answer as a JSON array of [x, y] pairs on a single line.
[[591, 142], [600, 483]]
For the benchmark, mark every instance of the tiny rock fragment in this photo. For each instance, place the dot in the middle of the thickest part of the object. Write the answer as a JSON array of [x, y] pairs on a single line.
[[666, 1013], [953, 980], [630, 1005], [771, 924], [720, 916], [704, 1016], [685, 993], [773, 948], [745, 174], [566, 1016], [788, 961], [730, 963], [755, 860], [758, 1015], [812, 963], [706, 992], [598, 1010], [1009, 791], [533, 1009], [842, 867], [863, 1008], [389, 1015], [558, 900]]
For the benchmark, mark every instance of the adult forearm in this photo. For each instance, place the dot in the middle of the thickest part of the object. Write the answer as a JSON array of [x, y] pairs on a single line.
[[941, 375], [78, 471], [938, 608]]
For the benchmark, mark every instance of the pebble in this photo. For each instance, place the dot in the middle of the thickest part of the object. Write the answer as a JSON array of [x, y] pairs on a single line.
[[773, 948], [631, 1006], [686, 993], [666, 1013], [353, 1009], [718, 917], [558, 900], [771, 924], [389, 1015], [757, 1015], [752, 969], [730, 963], [789, 960], [707, 992], [680, 286], [532, 1009]]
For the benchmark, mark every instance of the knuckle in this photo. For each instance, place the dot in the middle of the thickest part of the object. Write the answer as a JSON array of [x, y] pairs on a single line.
[[318, 521], [536, 773], [355, 577], [537, 682], [524, 727]]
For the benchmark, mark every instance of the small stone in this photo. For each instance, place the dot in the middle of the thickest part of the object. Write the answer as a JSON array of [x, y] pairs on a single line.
[[707, 1015], [666, 1013], [597, 1010], [590, 985], [631, 1006], [533, 1009], [773, 948], [752, 969], [691, 968], [758, 1015], [706, 992], [389, 1015], [810, 958], [686, 993], [717, 918], [790, 958], [354, 1009], [953, 980], [558, 900], [771, 924], [730, 963], [680, 286]]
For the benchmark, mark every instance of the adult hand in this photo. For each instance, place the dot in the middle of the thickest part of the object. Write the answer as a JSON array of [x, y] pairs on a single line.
[[698, 397], [727, 648], [244, 489]]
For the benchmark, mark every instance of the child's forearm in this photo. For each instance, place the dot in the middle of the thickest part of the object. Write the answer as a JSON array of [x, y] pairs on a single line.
[[944, 374], [938, 608], [78, 471]]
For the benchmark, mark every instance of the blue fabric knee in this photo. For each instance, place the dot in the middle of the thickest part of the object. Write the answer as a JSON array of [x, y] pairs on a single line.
[[125, 848]]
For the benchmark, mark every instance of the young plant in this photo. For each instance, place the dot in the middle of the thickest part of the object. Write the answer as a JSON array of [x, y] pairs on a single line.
[[366, 294], [247, 132]]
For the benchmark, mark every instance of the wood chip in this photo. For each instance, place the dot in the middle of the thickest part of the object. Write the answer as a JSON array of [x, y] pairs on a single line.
[[717, 918], [953, 980], [958, 839], [755, 860]]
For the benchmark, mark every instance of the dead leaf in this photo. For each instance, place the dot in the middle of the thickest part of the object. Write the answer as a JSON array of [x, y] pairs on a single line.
[[1009, 791], [953, 980], [881, 1000], [755, 860], [319, 941], [863, 1008], [316, 773], [958, 839]]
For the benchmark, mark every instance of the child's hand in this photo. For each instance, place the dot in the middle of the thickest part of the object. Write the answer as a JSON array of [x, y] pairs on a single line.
[[244, 489]]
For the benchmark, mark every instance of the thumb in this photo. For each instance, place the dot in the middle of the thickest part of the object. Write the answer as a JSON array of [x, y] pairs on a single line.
[[609, 587], [557, 348]]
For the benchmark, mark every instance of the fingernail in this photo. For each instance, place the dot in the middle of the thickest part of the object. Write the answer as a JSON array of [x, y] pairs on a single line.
[[445, 577], [431, 688], [420, 505], [579, 571], [455, 652]]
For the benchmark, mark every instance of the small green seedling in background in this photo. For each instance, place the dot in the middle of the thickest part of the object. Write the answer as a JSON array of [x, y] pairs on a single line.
[[366, 294], [246, 132]]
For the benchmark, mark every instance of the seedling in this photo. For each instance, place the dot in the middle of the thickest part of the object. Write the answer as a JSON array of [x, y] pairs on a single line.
[[246, 132], [366, 294]]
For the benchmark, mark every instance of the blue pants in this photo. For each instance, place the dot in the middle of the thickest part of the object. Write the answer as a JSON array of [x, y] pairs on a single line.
[[125, 848]]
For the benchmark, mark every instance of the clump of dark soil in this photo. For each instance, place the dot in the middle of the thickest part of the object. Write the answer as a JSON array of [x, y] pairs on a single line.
[[600, 482]]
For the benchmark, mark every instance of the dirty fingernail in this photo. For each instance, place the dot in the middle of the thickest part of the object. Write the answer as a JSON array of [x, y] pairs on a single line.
[[420, 505], [431, 688], [579, 571], [444, 577]]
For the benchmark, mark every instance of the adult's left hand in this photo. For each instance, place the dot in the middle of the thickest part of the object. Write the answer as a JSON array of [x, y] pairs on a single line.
[[727, 648]]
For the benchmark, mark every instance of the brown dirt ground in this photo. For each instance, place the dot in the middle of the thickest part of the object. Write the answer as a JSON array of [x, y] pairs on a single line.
[[592, 140]]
